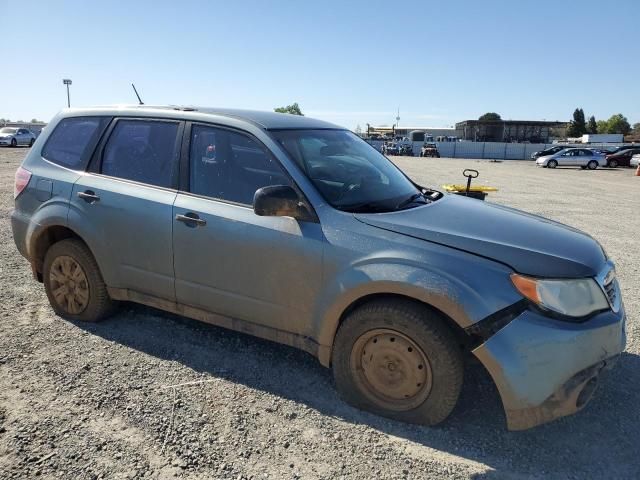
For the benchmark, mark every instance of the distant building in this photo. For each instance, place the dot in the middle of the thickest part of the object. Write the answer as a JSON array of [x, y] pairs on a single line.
[[511, 130]]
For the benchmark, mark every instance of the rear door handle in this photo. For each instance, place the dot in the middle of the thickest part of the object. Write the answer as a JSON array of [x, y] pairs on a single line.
[[191, 219], [89, 196]]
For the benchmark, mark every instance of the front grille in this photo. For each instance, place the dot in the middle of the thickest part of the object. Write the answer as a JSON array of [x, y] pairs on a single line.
[[611, 288], [611, 291]]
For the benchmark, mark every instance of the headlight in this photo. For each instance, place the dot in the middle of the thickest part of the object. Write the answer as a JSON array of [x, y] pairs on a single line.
[[574, 298]]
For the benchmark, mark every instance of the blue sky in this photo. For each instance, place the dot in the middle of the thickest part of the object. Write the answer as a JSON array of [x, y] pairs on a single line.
[[349, 62]]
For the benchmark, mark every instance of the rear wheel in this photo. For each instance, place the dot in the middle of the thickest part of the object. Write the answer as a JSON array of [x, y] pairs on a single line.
[[552, 164], [592, 165], [74, 284], [398, 359]]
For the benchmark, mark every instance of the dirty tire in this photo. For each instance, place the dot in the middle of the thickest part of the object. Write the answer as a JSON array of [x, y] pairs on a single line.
[[99, 304], [415, 325], [592, 165], [552, 164]]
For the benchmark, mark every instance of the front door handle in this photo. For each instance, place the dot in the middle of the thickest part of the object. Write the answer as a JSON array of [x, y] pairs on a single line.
[[89, 196], [191, 219]]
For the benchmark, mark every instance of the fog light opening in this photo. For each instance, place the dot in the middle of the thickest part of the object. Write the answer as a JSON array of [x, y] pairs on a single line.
[[587, 392]]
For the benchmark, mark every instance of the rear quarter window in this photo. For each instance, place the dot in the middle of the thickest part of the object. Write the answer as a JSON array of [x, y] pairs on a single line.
[[73, 140]]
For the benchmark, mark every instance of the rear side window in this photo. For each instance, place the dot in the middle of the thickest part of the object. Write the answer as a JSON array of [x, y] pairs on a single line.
[[73, 140], [143, 151]]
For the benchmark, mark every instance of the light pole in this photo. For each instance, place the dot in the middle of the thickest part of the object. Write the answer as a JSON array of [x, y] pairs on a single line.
[[67, 82]]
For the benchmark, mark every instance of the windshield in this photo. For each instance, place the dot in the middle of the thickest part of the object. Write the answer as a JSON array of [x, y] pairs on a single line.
[[8, 130], [349, 173]]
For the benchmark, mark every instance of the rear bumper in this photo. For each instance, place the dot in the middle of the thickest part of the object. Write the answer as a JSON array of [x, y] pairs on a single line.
[[545, 369], [19, 227]]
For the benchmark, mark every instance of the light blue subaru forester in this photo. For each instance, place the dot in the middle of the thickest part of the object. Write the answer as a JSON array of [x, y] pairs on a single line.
[[298, 231]]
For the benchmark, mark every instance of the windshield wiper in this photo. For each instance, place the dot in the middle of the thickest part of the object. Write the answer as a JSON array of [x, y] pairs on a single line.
[[364, 207], [411, 200]]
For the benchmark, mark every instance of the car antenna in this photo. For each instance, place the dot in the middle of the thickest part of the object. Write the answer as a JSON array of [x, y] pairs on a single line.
[[136, 91]]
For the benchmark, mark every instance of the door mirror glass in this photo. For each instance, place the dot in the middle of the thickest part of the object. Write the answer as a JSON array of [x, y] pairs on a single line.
[[279, 201]]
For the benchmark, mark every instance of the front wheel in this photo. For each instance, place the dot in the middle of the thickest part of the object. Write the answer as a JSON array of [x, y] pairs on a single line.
[[398, 359], [612, 163], [552, 164], [14, 142], [74, 284], [592, 165], [31, 142]]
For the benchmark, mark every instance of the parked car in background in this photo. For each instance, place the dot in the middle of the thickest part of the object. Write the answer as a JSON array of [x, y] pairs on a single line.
[[622, 148], [391, 148], [548, 151], [634, 161], [621, 158], [14, 136], [429, 149], [297, 231], [573, 157]]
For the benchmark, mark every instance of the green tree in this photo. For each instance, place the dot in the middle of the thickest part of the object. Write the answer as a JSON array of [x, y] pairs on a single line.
[[592, 126], [293, 109], [636, 129], [490, 117], [618, 123], [578, 126], [603, 126]]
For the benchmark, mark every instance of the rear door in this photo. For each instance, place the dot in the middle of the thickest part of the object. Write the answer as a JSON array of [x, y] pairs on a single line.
[[123, 205], [228, 260], [583, 157]]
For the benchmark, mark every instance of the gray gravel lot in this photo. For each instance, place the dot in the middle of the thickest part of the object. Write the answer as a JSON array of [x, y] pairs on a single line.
[[150, 395]]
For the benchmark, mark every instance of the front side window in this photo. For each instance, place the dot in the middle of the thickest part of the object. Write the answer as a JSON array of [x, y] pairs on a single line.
[[230, 166], [143, 151], [349, 173], [73, 140]]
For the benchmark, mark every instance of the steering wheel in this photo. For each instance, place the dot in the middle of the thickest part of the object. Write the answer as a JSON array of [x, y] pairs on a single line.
[[350, 185]]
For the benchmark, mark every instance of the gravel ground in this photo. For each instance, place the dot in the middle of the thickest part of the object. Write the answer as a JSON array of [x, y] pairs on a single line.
[[150, 395]]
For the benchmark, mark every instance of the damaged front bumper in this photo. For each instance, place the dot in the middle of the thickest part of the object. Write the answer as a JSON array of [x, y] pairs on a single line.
[[545, 368]]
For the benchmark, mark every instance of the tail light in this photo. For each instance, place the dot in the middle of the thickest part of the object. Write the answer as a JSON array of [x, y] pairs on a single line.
[[22, 180]]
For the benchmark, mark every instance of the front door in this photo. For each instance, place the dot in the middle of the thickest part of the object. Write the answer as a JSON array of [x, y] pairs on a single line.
[[123, 206], [228, 260]]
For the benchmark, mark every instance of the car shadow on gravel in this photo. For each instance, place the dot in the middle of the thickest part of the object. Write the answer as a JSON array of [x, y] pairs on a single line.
[[601, 438]]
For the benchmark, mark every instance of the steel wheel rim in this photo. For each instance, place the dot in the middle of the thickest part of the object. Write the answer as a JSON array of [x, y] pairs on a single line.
[[391, 369], [69, 285]]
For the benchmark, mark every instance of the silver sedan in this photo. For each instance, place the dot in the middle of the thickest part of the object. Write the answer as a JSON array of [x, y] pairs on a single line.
[[574, 157], [13, 136]]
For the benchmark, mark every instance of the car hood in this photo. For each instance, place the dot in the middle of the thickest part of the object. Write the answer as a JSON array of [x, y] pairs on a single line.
[[527, 243]]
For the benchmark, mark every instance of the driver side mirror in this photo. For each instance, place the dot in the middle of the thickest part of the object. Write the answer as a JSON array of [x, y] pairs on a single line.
[[280, 201]]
